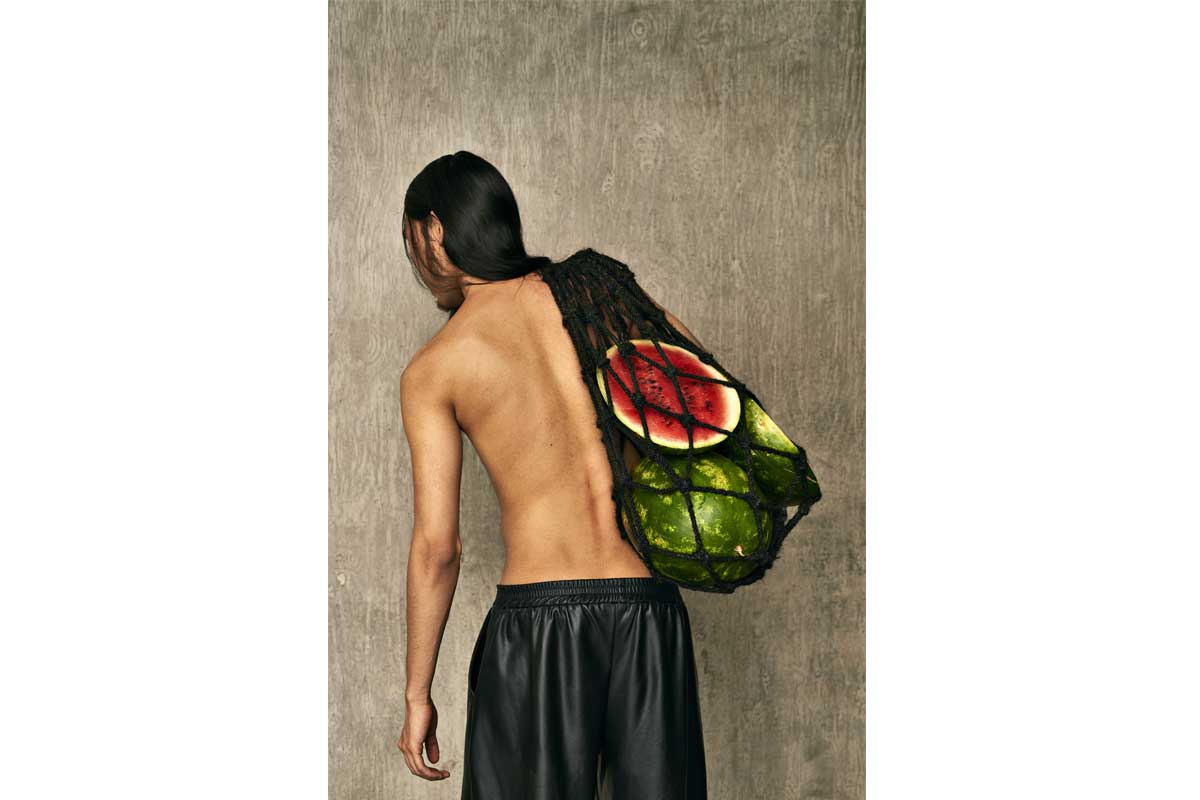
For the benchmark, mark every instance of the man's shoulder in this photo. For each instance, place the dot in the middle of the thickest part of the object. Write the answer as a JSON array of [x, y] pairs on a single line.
[[430, 359], [449, 353]]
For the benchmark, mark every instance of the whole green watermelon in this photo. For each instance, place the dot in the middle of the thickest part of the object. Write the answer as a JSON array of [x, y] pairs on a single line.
[[774, 474], [726, 523]]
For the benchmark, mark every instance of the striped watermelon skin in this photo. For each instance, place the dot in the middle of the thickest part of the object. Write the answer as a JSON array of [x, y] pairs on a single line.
[[725, 523], [776, 476]]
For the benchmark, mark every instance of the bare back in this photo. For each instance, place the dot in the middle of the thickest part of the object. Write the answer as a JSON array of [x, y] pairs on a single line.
[[520, 398]]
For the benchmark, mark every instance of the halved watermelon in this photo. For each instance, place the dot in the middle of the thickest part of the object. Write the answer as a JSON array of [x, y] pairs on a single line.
[[716, 404]]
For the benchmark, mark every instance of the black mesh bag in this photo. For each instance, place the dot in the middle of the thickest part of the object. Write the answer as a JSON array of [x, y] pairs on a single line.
[[706, 505]]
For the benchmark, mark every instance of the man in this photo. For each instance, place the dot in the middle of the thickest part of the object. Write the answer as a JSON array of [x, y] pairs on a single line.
[[582, 679]]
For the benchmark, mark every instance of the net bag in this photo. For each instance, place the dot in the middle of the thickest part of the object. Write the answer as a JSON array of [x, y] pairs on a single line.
[[705, 496]]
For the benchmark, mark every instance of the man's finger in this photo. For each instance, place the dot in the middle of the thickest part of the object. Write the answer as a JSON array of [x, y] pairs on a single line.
[[431, 747], [418, 767], [429, 772]]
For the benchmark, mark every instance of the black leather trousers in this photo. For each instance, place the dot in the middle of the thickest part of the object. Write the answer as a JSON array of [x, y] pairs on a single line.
[[584, 689]]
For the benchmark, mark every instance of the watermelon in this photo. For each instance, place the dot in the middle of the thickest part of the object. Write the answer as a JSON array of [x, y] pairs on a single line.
[[773, 474], [726, 524], [715, 404]]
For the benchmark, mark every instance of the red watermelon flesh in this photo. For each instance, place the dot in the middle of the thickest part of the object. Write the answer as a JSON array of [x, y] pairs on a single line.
[[716, 404]]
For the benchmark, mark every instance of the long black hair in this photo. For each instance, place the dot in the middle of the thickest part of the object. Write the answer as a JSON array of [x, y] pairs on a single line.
[[480, 221]]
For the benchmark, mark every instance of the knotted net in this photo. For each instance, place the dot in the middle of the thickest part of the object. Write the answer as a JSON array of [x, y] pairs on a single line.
[[736, 502]]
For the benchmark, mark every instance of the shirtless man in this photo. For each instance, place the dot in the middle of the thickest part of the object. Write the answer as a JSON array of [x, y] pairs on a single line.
[[582, 678]]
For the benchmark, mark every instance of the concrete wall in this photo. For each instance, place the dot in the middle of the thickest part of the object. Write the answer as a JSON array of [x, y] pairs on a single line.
[[717, 148]]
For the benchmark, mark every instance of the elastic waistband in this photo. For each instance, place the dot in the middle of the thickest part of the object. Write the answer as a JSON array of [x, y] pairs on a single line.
[[586, 590]]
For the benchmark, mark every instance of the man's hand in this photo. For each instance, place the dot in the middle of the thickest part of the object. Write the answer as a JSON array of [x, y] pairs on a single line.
[[420, 735]]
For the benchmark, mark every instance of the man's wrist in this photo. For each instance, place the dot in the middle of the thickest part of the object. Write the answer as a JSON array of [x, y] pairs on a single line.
[[416, 696]]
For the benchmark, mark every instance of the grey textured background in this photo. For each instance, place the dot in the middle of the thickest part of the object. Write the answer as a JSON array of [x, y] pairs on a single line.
[[717, 148]]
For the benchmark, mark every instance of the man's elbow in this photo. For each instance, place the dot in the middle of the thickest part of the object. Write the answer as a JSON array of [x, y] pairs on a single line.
[[436, 551]]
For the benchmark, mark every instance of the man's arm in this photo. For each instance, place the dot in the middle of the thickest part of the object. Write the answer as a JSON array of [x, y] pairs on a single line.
[[434, 556], [435, 443]]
